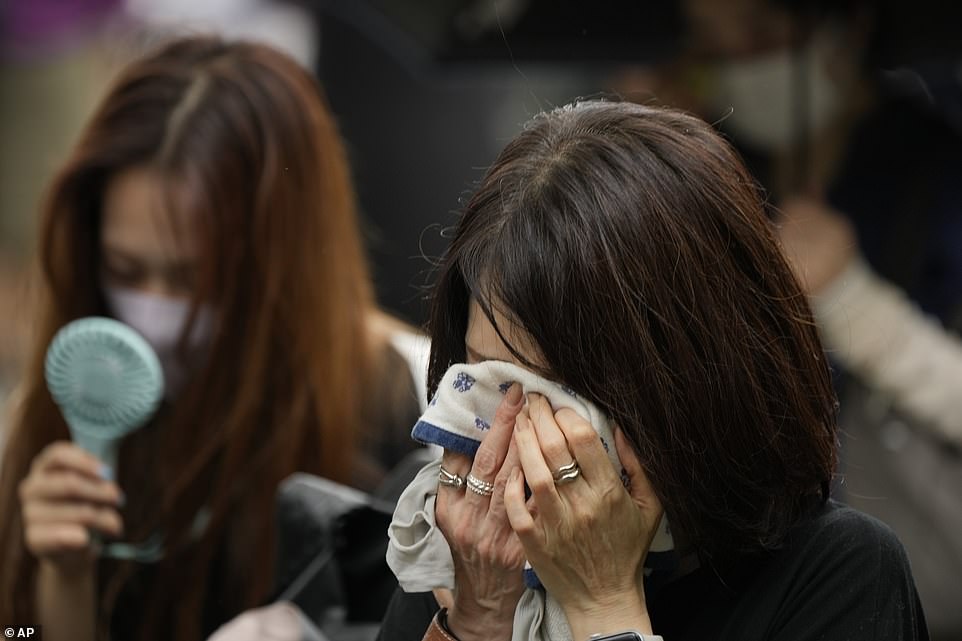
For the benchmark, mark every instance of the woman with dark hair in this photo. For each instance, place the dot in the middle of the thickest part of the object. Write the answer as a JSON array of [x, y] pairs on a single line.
[[623, 251], [208, 205]]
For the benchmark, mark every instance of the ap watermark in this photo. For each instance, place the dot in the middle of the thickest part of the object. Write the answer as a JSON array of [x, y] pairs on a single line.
[[22, 632]]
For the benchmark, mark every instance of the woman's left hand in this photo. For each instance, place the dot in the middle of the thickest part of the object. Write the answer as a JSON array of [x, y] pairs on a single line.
[[587, 539]]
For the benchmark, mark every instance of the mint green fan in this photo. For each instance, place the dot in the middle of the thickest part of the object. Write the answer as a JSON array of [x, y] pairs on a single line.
[[108, 382]]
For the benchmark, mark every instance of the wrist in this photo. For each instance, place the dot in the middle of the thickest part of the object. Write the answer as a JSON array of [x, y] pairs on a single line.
[[476, 623], [73, 571], [608, 615]]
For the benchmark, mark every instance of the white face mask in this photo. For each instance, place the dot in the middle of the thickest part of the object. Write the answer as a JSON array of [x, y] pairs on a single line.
[[161, 320], [761, 93]]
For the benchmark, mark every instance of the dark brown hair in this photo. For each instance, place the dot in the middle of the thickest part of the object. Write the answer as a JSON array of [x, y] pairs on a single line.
[[246, 144], [631, 244]]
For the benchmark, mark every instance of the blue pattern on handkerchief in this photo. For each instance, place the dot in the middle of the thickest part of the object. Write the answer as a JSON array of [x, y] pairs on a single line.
[[463, 382]]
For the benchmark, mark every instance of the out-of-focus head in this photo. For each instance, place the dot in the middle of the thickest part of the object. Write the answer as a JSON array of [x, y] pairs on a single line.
[[199, 153], [624, 250], [212, 180], [785, 69]]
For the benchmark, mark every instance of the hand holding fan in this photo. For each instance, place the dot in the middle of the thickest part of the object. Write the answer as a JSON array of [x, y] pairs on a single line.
[[108, 382]]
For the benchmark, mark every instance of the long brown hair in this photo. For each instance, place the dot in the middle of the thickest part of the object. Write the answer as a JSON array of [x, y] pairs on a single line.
[[244, 140], [631, 244]]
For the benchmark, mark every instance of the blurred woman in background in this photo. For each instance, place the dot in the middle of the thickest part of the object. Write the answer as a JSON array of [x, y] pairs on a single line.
[[208, 205]]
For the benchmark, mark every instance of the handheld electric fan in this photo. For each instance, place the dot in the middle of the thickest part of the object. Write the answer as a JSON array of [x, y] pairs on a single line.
[[107, 381]]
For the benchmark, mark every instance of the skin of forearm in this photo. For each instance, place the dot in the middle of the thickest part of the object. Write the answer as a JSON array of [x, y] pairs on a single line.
[[66, 604]]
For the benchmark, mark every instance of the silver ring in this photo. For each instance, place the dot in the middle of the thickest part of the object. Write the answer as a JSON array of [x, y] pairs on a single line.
[[479, 487], [449, 479], [567, 473], [564, 469]]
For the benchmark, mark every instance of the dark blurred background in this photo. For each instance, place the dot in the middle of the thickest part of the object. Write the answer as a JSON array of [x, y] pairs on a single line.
[[428, 92]]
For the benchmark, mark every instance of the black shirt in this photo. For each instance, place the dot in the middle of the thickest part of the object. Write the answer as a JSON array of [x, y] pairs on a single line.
[[841, 576], [385, 441]]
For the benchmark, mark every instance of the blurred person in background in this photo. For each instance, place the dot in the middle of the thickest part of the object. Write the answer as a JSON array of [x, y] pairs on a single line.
[[850, 114], [870, 326], [834, 139], [208, 205], [56, 59]]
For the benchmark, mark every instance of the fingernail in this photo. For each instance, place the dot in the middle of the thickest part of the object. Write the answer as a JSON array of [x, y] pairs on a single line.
[[106, 472], [515, 473], [514, 395]]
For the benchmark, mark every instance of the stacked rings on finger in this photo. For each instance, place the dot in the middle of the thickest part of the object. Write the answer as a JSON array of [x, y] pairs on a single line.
[[567, 473], [449, 479], [479, 487]]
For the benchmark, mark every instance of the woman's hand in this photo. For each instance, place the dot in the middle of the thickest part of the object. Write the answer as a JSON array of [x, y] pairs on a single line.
[[67, 493], [587, 539], [488, 557], [819, 241]]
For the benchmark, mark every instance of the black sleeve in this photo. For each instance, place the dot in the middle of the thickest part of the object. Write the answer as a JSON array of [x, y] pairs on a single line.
[[852, 582], [408, 616]]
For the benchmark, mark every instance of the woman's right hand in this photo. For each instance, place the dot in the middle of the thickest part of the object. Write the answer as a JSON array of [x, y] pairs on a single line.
[[488, 557], [67, 493], [818, 241]]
